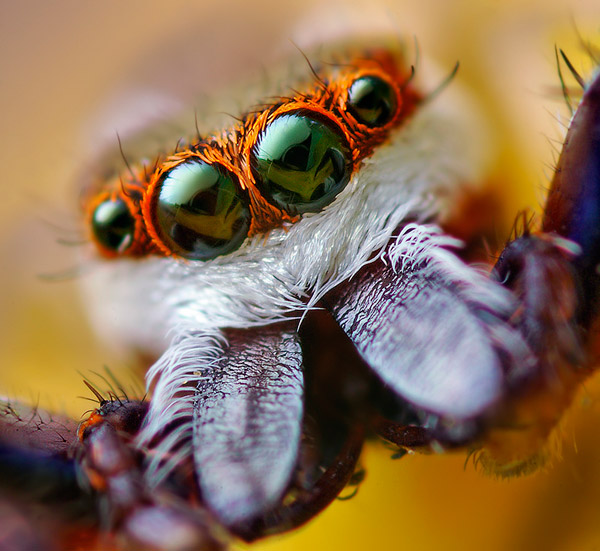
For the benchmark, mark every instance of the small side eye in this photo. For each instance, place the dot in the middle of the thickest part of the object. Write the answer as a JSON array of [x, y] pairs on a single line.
[[113, 225], [372, 100], [199, 211], [301, 162]]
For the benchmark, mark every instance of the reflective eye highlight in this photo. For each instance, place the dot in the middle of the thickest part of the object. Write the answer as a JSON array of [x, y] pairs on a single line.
[[200, 212], [372, 100], [113, 225], [302, 163]]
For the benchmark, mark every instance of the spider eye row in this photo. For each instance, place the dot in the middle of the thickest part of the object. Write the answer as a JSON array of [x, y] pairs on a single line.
[[292, 158]]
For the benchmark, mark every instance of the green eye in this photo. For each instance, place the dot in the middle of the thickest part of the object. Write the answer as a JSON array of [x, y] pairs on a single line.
[[372, 100], [302, 163], [200, 212], [113, 225]]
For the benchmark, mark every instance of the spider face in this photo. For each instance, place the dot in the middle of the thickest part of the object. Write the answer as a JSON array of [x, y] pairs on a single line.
[[260, 219], [296, 276], [259, 223]]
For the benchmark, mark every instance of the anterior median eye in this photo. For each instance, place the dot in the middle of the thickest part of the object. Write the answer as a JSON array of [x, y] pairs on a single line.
[[372, 100], [113, 225], [301, 162], [200, 212]]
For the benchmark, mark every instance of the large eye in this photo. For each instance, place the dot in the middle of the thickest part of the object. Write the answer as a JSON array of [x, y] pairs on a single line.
[[200, 212], [372, 100], [113, 225], [302, 163]]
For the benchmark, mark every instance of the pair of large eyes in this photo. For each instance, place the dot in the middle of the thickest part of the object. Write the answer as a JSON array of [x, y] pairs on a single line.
[[300, 163]]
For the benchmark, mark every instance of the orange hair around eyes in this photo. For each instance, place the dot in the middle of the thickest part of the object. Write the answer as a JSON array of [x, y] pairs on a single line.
[[326, 100]]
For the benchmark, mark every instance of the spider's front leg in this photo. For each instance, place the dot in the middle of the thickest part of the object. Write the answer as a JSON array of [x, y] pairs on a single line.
[[94, 485], [554, 274], [490, 364], [160, 518], [85, 485], [40, 492]]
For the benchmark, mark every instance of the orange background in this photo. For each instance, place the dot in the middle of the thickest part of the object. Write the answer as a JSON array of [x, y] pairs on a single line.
[[61, 60]]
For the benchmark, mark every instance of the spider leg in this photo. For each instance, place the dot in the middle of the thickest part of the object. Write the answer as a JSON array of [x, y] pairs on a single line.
[[41, 499], [160, 518]]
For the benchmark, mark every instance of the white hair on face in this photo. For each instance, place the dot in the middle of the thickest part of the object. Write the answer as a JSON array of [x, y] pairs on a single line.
[[175, 375], [418, 245], [418, 174]]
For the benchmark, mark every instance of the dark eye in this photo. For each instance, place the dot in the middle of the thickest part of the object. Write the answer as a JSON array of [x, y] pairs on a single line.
[[113, 225], [200, 212], [302, 163], [372, 100]]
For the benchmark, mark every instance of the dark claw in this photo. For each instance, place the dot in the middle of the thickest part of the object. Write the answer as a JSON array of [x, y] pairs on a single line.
[[307, 504], [405, 436], [573, 206], [540, 273]]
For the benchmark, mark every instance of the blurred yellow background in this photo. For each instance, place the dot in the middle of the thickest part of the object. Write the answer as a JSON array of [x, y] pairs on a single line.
[[61, 60]]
